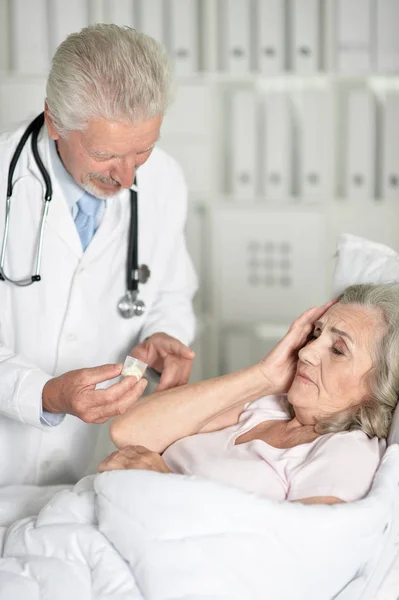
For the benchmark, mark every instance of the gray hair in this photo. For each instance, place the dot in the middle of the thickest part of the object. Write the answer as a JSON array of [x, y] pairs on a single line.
[[374, 415], [108, 72]]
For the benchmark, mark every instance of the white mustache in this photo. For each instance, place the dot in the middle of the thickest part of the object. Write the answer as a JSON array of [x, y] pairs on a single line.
[[103, 179]]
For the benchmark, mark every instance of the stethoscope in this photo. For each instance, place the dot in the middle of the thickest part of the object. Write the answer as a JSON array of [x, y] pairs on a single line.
[[129, 305]]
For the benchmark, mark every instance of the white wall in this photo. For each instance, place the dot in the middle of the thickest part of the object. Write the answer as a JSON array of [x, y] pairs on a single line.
[[286, 123]]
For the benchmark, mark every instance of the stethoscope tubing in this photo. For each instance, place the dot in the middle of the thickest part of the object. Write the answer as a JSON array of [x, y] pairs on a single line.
[[32, 130], [132, 269]]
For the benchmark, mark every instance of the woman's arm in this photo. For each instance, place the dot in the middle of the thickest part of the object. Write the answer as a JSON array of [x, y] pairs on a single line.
[[164, 417], [160, 419]]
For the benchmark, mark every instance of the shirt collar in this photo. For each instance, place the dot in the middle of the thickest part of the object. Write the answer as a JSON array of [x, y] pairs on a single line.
[[73, 192]]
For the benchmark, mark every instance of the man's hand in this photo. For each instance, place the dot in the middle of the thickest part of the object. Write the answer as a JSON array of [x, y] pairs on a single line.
[[168, 356], [134, 457], [74, 393]]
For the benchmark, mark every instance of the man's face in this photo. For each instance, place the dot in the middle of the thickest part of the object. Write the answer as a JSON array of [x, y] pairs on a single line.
[[104, 158]]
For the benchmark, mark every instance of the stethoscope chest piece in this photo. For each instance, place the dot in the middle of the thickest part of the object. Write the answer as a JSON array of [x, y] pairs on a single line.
[[129, 306]]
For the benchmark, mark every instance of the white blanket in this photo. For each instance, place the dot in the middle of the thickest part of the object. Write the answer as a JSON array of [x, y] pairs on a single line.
[[143, 535]]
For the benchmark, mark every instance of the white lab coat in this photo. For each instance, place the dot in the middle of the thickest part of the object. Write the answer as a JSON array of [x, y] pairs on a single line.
[[69, 320]]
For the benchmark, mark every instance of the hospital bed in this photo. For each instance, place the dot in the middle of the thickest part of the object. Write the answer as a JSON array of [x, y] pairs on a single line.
[[174, 509], [226, 520]]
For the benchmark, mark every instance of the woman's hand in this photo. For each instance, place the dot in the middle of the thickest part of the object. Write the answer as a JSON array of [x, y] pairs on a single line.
[[134, 457], [279, 365]]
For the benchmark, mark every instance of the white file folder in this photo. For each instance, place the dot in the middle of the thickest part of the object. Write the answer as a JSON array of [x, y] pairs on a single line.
[[29, 45], [4, 36], [96, 11], [387, 38], [277, 167], [14, 93], [236, 34], [238, 350], [184, 36], [270, 38], [121, 12], [195, 234], [65, 18], [305, 21], [243, 145], [390, 146], [354, 26], [151, 18], [361, 145], [314, 179]]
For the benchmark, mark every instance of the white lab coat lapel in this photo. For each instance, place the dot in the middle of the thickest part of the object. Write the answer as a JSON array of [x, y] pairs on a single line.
[[147, 216], [112, 226], [59, 215]]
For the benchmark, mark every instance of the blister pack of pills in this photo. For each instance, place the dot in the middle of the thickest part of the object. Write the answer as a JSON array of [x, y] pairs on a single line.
[[133, 368]]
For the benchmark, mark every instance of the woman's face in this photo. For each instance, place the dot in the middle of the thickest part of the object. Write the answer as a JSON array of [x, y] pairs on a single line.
[[333, 368]]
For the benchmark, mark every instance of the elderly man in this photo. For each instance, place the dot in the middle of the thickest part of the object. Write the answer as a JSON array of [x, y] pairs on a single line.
[[62, 337]]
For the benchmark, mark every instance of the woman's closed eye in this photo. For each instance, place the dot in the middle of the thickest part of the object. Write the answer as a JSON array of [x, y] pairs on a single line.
[[339, 347], [337, 351]]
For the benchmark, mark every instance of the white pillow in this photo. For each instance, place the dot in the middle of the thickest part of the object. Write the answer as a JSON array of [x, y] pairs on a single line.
[[363, 261]]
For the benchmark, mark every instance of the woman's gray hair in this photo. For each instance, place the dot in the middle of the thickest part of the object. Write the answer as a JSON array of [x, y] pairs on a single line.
[[374, 414], [107, 72]]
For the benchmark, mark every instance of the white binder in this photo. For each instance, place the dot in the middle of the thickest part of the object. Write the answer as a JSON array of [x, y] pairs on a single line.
[[238, 350], [4, 36], [243, 145], [236, 35], [121, 12], [361, 145], [314, 179], [270, 38], [390, 147], [65, 18], [29, 46], [354, 22], [184, 36], [387, 38], [196, 233], [96, 11], [21, 100], [151, 18], [277, 168], [305, 28]]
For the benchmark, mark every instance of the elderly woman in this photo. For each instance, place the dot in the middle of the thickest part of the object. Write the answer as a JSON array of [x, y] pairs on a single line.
[[319, 443]]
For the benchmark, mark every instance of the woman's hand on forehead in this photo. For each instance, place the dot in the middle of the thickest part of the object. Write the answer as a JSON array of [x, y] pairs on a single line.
[[279, 366]]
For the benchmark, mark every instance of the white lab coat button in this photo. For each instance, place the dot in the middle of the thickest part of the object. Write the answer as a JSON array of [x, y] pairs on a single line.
[[71, 337]]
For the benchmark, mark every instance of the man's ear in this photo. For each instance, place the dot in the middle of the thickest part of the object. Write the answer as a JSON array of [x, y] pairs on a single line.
[[49, 123]]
